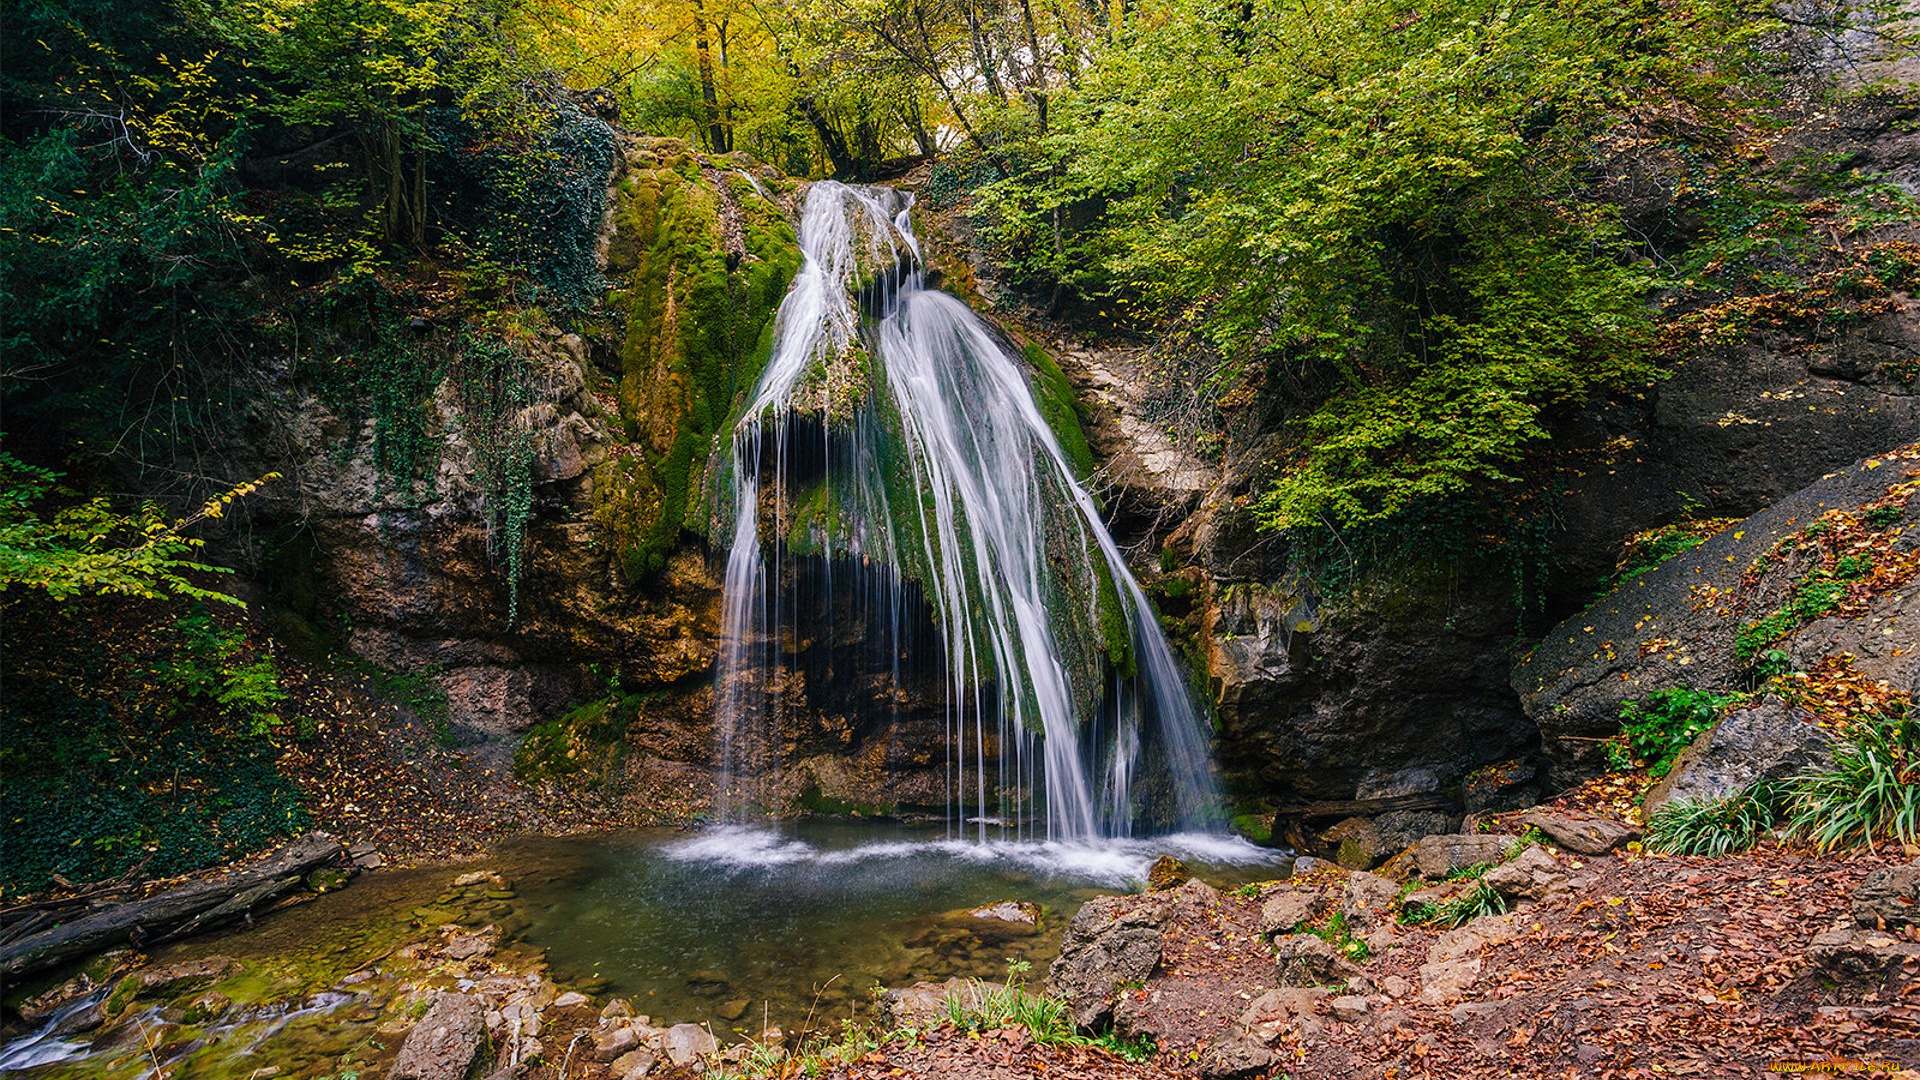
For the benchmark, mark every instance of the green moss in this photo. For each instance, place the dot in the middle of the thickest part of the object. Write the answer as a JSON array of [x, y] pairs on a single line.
[[590, 737], [1255, 827], [1054, 395], [697, 335]]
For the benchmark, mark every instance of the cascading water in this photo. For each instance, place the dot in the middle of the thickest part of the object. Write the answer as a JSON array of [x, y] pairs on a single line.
[[892, 432]]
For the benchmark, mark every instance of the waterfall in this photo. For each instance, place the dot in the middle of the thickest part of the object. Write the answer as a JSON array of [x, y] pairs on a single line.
[[893, 436]]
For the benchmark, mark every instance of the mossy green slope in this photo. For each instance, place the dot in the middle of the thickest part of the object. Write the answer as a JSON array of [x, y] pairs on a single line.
[[699, 261]]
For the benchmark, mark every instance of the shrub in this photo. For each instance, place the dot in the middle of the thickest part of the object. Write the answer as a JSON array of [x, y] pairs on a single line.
[[1871, 792], [1667, 722], [1712, 826]]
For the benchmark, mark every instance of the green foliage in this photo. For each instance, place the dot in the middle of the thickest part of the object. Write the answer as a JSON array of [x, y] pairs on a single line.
[[87, 548], [1384, 219], [1655, 547], [1481, 899], [1046, 1019], [136, 731], [1813, 596], [1712, 826], [1658, 728], [1334, 931], [1870, 794], [493, 380]]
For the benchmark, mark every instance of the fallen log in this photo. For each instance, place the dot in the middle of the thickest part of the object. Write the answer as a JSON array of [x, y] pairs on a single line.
[[176, 912]]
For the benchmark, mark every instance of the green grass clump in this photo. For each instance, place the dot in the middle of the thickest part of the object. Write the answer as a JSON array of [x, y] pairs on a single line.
[[1045, 1018], [1712, 826], [1482, 899], [1336, 933], [1815, 595], [1871, 792]]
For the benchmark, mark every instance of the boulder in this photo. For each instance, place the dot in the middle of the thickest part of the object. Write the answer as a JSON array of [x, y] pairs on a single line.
[[685, 1042], [1889, 898], [1367, 902], [1112, 940], [1582, 833], [1438, 856], [1531, 875], [446, 1041], [1846, 952], [1767, 741], [1677, 625], [1288, 909], [1305, 960]]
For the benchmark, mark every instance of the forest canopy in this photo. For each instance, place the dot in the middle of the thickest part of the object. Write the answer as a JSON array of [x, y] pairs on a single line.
[[1399, 229]]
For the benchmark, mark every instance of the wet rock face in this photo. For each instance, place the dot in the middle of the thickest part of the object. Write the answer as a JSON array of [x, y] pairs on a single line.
[[1395, 690]]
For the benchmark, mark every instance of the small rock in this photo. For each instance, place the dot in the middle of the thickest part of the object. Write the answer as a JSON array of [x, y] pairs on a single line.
[[1167, 872], [1305, 960], [1349, 1008], [732, 1010], [1395, 987], [1235, 1055], [445, 1043], [634, 1064], [185, 975], [1013, 911], [685, 1042], [1889, 898], [1288, 909], [572, 999], [326, 880], [1438, 856], [923, 1003], [610, 1043], [1532, 875], [473, 878], [1582, 833], [1469, 1011], [1367, 901]]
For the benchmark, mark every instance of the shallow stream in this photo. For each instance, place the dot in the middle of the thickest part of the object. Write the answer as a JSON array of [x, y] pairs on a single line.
[[732, 927]]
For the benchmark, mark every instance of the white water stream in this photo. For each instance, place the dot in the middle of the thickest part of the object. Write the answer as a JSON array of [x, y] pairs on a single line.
[[1062, 692]]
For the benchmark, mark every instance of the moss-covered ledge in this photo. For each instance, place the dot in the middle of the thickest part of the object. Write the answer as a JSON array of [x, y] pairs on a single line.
[[699, 258]]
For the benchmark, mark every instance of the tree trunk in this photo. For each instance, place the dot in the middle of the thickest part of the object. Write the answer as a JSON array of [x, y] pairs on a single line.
[[718, 139], [174, 913]]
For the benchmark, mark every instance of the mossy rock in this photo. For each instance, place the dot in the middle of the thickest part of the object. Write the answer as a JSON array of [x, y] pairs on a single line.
[[699, 263]]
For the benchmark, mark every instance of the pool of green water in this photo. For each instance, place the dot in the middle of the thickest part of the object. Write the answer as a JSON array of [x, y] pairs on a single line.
[[742, 927]]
